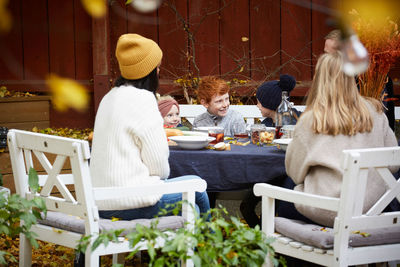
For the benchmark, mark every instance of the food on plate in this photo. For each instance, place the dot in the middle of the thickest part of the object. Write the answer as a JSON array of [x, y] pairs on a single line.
[[222, 146], [173, 132], [236, 142], [172, 143]]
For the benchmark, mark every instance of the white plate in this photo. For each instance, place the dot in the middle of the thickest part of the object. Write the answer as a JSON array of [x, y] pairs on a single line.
[[283, 142], [192, 142], [206, 128], [194, 133]]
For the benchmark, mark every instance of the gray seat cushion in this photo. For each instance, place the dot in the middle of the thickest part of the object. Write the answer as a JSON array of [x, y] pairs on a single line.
[[76, 224], [322, 237]]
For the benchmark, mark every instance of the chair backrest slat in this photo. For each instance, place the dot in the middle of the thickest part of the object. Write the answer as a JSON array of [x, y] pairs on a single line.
[[361, 187]]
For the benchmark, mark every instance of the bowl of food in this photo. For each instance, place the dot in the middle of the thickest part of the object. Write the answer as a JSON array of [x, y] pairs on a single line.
[[192, 141], [194, 133], [213, 131]]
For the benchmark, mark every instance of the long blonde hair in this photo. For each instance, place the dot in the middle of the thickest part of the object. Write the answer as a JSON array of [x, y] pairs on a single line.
[[337, 106]]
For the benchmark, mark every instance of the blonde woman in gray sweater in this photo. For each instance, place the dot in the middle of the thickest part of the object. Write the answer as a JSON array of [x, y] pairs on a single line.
[[337, 117]]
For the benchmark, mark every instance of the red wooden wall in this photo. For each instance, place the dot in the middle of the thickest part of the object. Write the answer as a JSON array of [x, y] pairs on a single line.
[[49, 36]]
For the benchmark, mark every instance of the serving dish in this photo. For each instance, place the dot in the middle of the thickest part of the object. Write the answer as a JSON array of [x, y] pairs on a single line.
[[194, 133], [206, 129], [191, 142], [282, 143]]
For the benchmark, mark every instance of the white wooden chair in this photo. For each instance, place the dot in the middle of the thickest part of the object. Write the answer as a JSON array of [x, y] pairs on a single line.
[[75, 213], [357, 237]]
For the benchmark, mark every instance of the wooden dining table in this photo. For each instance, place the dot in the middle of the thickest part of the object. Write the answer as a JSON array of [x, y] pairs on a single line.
[[229, 170]]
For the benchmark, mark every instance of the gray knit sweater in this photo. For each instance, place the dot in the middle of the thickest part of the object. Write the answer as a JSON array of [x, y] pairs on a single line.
[[313, 162], [206, 119], [129, 145]]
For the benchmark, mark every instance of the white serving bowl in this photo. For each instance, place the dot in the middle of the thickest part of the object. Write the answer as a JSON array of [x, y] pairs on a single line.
[[206, 129], [191, 142], [282, 143], [194, 133]]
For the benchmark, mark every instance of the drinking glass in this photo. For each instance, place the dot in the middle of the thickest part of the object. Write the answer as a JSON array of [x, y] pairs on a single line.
[[218, 133], [287, 131], [240, 131], [256, 131]]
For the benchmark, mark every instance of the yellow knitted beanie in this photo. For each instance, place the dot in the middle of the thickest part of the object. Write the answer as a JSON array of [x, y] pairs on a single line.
[[137, 56]]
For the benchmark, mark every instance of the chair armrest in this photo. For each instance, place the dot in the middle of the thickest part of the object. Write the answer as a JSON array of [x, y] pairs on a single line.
[[276, 192], [103, 193]]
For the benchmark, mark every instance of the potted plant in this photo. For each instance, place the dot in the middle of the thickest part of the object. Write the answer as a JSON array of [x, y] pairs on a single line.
[[221, 241]]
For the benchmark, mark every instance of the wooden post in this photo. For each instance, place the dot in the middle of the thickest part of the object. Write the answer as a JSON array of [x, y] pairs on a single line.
[[101, 57]]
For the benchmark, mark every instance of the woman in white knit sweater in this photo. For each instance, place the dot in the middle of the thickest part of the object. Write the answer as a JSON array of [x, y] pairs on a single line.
[[337, 117], [129, 145]]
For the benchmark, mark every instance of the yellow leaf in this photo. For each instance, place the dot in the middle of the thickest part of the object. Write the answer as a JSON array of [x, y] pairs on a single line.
[[95, 8], [5, 17], [58, 231], [245, 39], [67, 93], [365, 234], [245, 143], [113, 219], [241, 69]]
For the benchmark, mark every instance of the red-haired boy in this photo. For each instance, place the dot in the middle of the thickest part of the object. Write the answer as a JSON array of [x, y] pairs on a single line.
[[213, 94]]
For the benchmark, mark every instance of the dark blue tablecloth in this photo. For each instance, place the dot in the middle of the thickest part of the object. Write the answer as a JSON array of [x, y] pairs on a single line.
[[236, 169]]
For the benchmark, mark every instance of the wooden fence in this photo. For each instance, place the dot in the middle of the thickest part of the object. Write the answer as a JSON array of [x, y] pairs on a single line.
[[252, 40]]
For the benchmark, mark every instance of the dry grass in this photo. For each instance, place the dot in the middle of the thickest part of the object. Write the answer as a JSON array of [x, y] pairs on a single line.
[[51, 255]]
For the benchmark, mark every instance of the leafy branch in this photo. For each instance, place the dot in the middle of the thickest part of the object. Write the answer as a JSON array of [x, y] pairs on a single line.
[[14, 208], [216, 242]]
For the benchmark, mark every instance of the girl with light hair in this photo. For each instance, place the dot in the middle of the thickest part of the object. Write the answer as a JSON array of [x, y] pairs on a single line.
[[337, 117]]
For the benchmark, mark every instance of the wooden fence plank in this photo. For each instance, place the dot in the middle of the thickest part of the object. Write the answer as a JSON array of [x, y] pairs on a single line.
[[83, 43], [35, 39], [144, 24], [172, 39], [24, 111], [118, 26], [320, 27], [204, 24], [265, 41], [11, 50], [62, 38], [234, 52], [296, 40]]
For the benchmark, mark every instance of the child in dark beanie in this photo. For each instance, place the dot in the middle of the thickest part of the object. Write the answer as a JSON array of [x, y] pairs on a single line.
[[269, 96]]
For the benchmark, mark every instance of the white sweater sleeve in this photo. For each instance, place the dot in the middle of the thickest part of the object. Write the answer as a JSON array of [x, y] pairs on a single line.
[[152, 140]]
